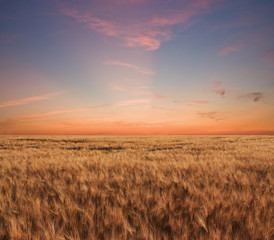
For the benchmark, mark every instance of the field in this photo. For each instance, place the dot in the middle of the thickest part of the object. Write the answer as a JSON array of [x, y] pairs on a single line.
[[136, 187]]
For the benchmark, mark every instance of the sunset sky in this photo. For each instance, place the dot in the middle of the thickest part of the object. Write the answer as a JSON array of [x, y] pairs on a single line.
[[136, 67]]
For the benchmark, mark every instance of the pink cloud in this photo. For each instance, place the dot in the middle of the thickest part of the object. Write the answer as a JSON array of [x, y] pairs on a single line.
[[246, 70], [51, 113], [132, 102], [23, 101], [141, 91], [255, 96], [58, 112], [149, 37], [162, 108], [148, 33], [202, 3], [268, 57], [199, 102], [117, 104], [218, 88], [220, 91], [131, 66], [97, 24], [144, 87], [147, 42], [228, 49], [118, 88], [175, 17], [153, 95], [211, 115], [127, 1], [183, 16], [131, 38]]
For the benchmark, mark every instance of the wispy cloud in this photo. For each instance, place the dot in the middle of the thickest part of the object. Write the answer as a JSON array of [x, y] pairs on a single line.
[[228, 49], [153, 95], [174, 17], [84, 109], [162, 108], [27, 100], [140, 91], [268, 57], [132, 102], [244, 28], [131, 66], [69, 110], [131, 37], [218, 88], [58, 112], [144, 87], [211, 115], [255, 96], [149, 33], [119, 2], [147, 42], [198, 103], [138, 124], [97, 24]]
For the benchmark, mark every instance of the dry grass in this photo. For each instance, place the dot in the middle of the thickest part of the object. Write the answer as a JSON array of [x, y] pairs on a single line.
[[109, 187]]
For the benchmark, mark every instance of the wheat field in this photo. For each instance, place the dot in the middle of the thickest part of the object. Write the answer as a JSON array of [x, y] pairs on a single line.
[[136, 187]]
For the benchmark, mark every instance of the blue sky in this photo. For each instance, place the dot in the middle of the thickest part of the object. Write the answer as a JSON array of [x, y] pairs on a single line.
[[136, 67]]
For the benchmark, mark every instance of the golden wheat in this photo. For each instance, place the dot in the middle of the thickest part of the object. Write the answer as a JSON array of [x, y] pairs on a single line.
[[136, 187]]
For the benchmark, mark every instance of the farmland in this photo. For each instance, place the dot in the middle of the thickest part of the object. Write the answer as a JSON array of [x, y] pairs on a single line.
[[136, 187]]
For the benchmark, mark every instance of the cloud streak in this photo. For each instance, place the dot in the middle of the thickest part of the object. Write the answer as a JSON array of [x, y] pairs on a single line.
[[147, 42], [162, 108], [119, 2], [83, 109], [131, 37], [218, 88], [149, 33], [131, 66], [268, 57], [105, 27], [153, 95], [132, 102], [200, 102], [255, 96], [228, 49], [58, 112], [211, 115], [24, 101]]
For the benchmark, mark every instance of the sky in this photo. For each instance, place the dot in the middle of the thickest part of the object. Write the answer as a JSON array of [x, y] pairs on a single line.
[[135, 67]]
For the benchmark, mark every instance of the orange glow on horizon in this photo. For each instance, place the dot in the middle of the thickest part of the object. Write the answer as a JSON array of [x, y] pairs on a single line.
[[136, 67]]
